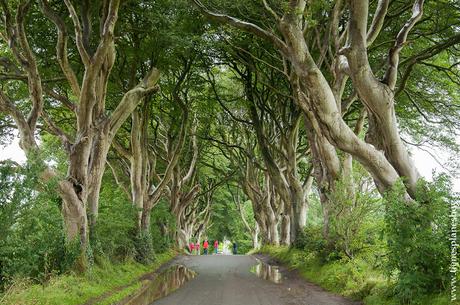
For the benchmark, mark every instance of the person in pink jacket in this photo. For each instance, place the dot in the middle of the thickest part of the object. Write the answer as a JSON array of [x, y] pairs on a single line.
[[205, 246]]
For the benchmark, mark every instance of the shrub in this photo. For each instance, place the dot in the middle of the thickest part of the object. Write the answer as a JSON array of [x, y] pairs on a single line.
[[144, 248], [355, 217], [116, 214], [417, 232], [32, 240], [310, 239]]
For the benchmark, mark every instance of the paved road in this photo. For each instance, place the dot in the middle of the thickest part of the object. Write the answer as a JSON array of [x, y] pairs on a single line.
[[226, 280]]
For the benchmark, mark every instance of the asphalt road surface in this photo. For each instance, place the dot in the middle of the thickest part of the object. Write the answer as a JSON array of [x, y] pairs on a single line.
[[227, 280]]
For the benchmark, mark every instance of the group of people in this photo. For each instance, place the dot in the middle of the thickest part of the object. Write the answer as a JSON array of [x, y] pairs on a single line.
[[194, 248]]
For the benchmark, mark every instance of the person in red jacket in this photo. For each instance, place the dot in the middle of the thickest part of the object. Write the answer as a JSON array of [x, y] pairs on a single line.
[[191, 247], [205, 246], [216, 246]]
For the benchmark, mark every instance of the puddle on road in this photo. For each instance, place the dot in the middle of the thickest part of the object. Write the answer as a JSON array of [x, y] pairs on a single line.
[[267, 272], [165, 283]]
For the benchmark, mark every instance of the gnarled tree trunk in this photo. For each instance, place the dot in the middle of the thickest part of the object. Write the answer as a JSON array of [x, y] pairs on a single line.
[[94, 128]]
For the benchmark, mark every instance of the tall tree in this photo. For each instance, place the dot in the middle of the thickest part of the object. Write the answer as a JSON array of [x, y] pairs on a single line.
[[347, 42], [94, 127]]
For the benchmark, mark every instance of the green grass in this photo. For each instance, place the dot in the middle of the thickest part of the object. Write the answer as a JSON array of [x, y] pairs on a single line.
[[354, 278], [77, 289], [121, 294]]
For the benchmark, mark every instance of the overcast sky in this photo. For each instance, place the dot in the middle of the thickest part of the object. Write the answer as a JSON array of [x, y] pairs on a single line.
[[424, 162]]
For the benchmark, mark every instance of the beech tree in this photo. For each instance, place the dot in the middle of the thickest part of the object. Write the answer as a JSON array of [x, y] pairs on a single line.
[[183, 190], [342, 60], [283, 170], [95, 129], [239, 147], [252, 229], [155, 142]]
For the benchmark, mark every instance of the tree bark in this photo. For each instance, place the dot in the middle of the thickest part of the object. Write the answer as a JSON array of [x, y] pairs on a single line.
[[285, 230]]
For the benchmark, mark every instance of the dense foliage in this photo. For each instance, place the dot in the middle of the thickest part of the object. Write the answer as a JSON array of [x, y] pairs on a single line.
[[418, 251], [33, 244]]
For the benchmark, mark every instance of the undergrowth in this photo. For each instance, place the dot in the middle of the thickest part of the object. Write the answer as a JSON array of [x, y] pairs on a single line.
[[353, 278], [71, 288]]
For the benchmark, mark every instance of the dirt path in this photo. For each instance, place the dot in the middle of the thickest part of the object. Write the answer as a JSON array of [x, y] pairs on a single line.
[[226, 280]]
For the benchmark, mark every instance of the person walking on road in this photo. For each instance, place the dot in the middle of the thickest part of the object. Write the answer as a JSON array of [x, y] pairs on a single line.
[[216, 246], [205, 246], [197, 248], [235, 248], [191, 247]]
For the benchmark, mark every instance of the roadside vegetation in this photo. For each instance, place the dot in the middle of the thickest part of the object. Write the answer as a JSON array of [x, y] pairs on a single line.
[[369, 259], [36, 263], [356, 278], [115, 281]]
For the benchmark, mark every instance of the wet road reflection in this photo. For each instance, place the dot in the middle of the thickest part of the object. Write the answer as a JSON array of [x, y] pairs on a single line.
[[267, 272], [166, 282]]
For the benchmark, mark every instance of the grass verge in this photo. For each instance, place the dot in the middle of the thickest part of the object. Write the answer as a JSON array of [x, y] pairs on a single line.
[[354, 278], [75, 289]]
